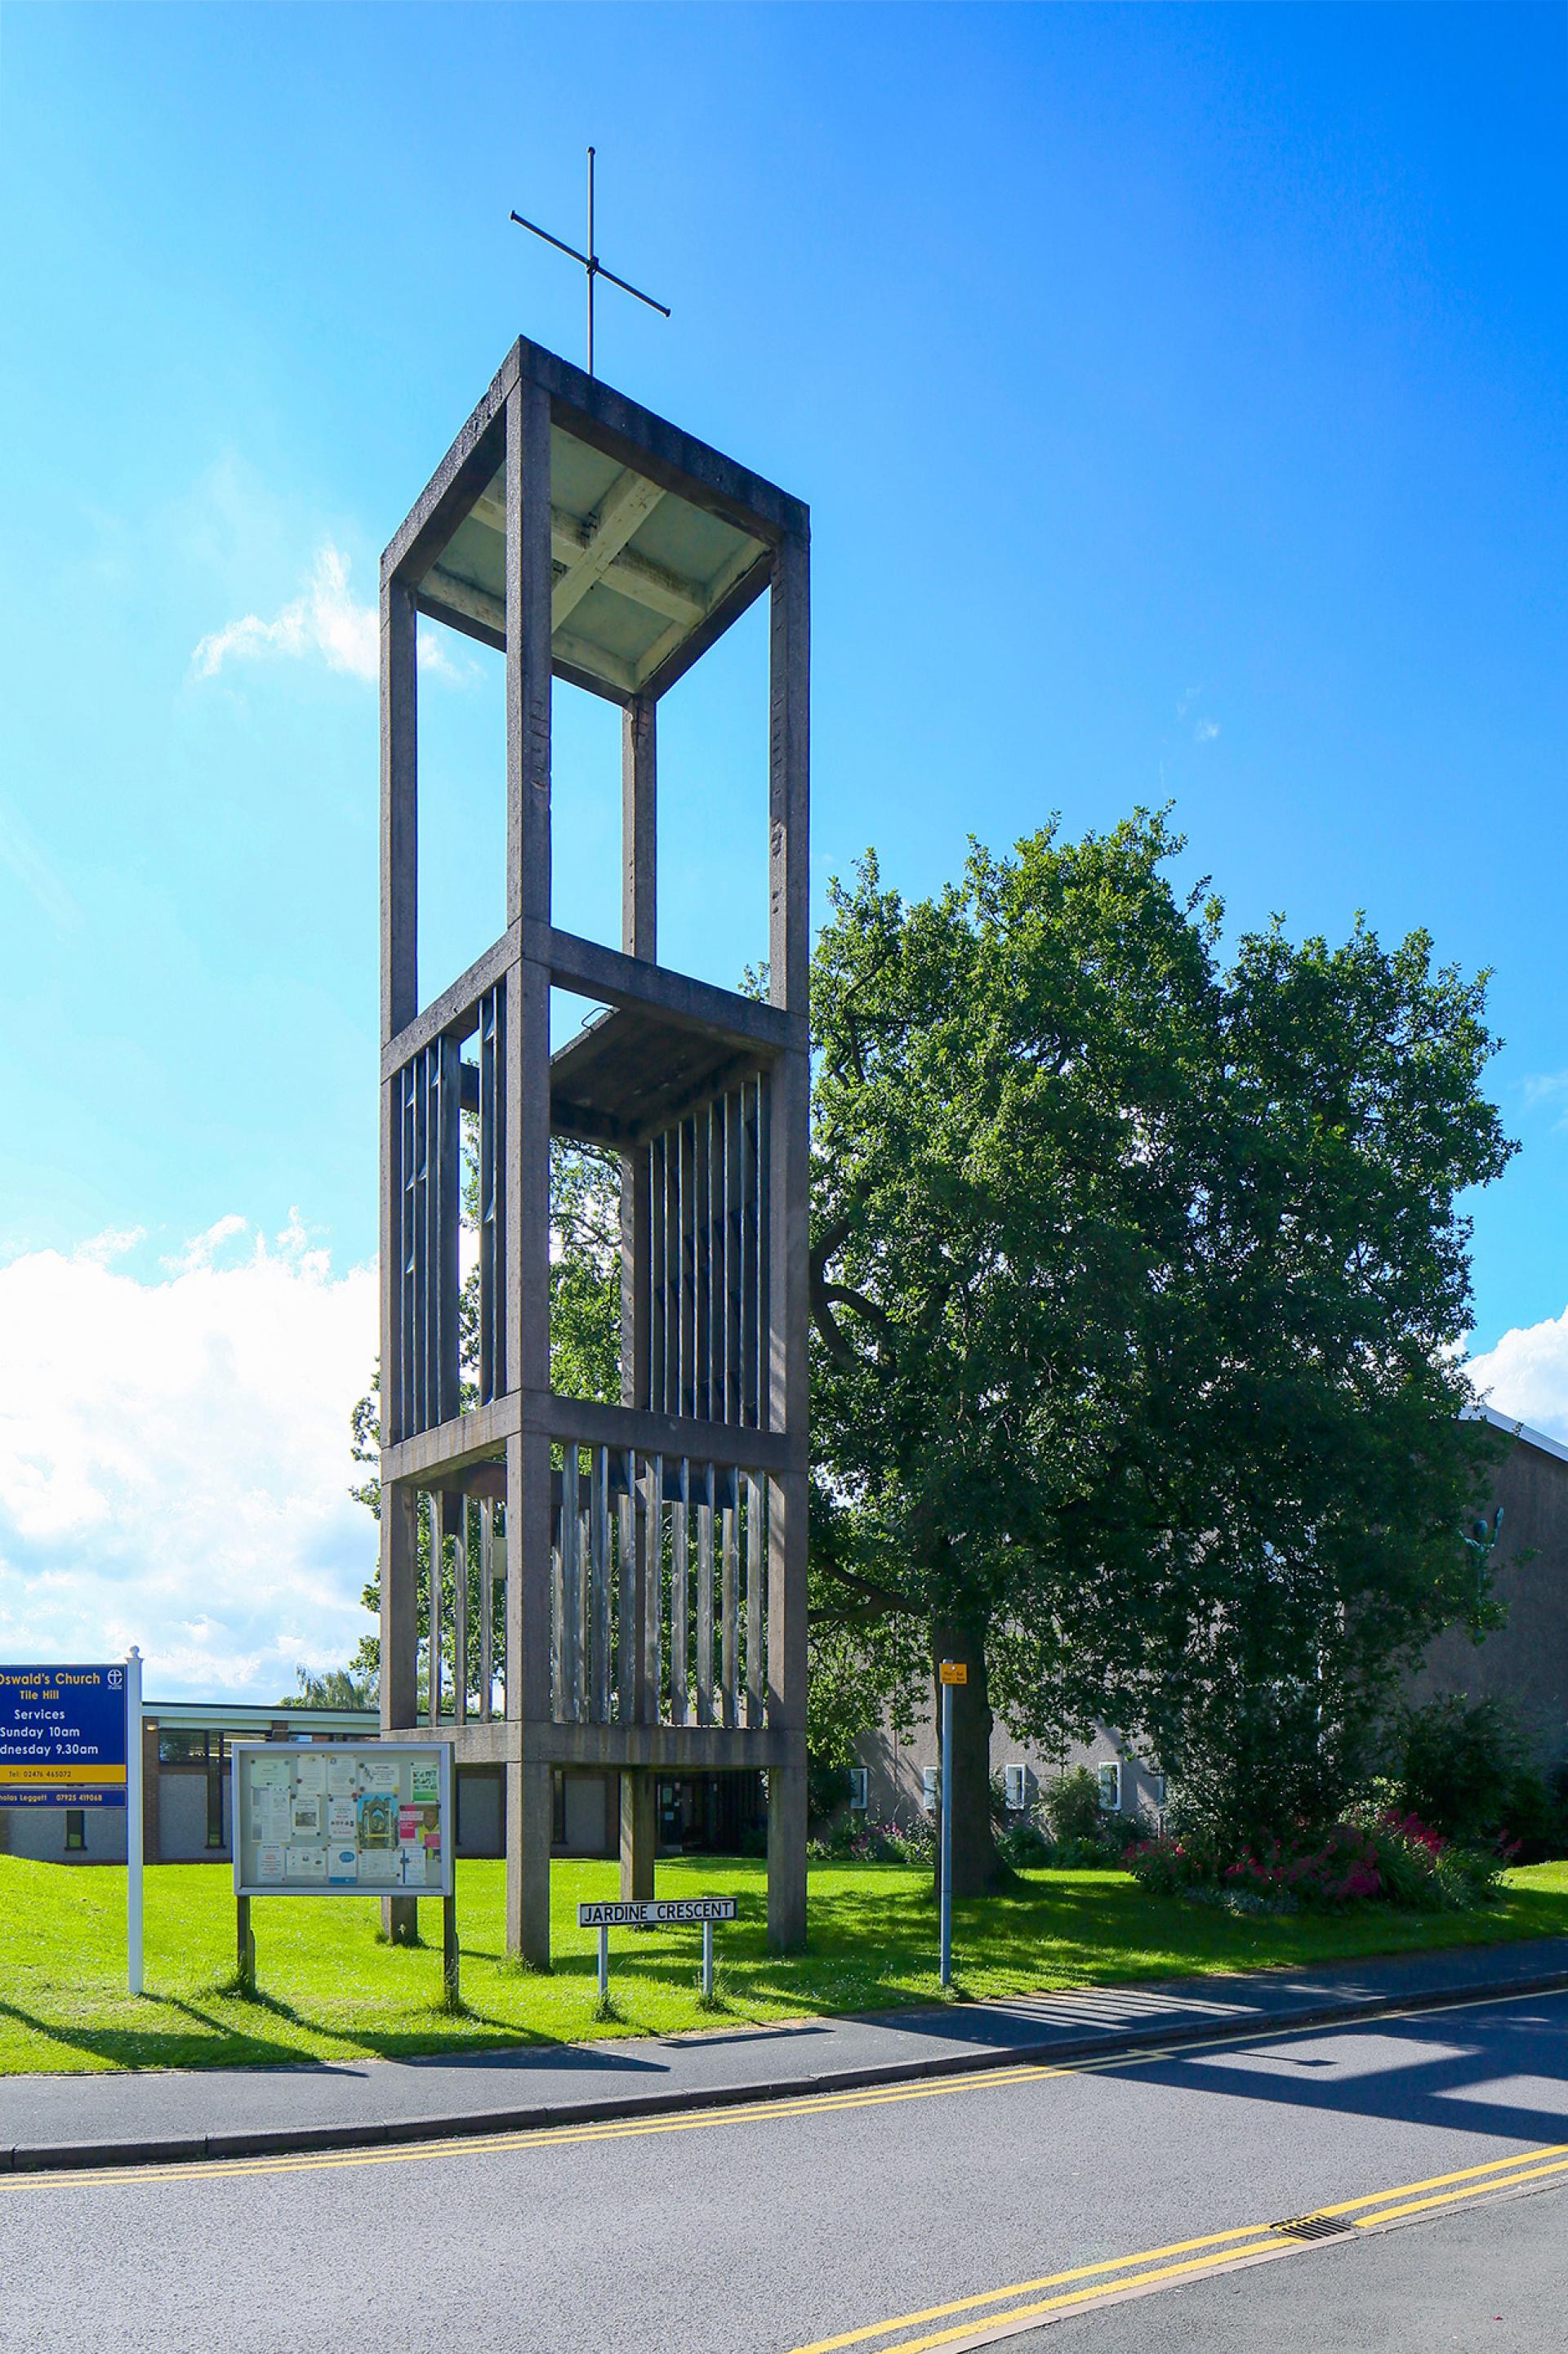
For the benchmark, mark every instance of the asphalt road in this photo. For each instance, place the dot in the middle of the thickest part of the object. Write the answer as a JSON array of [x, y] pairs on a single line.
[[1489, 2278], [910, 2217]]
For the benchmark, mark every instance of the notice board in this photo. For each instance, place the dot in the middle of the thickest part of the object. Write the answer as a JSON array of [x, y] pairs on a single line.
[[343, 1819]]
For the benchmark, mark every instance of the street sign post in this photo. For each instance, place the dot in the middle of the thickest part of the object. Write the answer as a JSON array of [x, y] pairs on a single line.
[[656, 1913], [71, 1736], [951, 1672]]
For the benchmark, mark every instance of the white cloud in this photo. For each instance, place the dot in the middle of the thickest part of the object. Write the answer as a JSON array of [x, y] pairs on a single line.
[[198, 1255], [112, 1244], [175, 1459], [1526, 1375], [1206, 731], [1548, 1088], [324, 620]]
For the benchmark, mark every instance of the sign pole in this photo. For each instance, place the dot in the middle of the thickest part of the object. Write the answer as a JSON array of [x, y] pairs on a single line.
[[244, 1945], [951, 1672], [134, 1842], [656, 1913], [450, 1960]]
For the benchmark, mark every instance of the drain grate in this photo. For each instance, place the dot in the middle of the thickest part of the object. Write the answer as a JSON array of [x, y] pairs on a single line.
[[1312, 2227]]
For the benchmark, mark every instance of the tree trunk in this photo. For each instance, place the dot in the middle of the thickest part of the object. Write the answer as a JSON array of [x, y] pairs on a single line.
[[975, 1870]]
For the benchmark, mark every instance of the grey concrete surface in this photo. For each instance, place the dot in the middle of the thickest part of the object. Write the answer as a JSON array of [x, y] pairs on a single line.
[[1473, 2278], [720, 2232], [229, 2111]]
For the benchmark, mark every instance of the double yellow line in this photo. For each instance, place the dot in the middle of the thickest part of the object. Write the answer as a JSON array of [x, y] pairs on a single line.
[[149, 2177], [1215, 2252], [971, 2321], [782, 2110]]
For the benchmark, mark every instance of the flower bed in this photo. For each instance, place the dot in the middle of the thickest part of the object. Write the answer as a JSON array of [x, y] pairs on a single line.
[[1386, 1856]]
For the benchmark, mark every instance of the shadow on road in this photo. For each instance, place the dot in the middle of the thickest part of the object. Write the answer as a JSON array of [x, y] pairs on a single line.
[[1463, 2072]]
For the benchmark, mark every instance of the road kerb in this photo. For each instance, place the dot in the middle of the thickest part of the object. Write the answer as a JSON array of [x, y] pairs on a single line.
[[24, 2157]]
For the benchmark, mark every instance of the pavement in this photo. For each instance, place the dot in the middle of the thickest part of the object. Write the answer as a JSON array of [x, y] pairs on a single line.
[[172, 2117], [915, 2216]]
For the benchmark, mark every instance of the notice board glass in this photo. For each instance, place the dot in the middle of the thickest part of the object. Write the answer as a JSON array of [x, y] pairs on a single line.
[[343, 1819]]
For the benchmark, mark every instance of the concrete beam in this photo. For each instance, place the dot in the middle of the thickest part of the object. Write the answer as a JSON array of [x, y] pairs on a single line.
[[425, 1460], [451, 1009], [593, 971], [629, 499], [592, 1423]]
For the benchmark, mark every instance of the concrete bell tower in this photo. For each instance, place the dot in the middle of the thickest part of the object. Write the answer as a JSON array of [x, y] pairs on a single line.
[[639, 1570]]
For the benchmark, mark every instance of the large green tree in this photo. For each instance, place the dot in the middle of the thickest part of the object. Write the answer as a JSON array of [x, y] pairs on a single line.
[[1139, 1277]]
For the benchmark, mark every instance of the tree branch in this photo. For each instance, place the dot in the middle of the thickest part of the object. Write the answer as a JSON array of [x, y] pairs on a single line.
[[886, 1596]]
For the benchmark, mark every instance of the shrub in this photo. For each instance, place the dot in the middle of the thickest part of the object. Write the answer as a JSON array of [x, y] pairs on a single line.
[[858, 1839], [827, 1790], [1406, 1851], [1253, 1763], [1337, 1867], [1116, 1831], [1169, 1866], [1534, 1816], [1072, 1808], [1024, 1842], [914, 1843], [1464, 1765], [1378, 1855], [1471, 1876]]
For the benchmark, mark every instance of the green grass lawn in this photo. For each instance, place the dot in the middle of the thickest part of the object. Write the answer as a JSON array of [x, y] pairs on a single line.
[[330, 1991]]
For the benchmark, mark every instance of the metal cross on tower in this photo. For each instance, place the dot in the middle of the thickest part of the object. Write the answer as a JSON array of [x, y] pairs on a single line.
[[591, 262]]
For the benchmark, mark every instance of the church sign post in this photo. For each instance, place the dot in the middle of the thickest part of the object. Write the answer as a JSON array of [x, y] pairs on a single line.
[[71, 1736]]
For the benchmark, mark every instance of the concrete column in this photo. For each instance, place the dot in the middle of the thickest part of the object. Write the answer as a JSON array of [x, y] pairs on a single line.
[[638, 1834], [640, 829], [400, 1655], [528, 1818], [786, 1855], [787, 1712], [527, 1089], [528, 1801], [789, 947]]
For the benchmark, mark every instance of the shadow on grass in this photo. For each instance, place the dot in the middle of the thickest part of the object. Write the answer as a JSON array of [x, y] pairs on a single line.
[[133, 2047], [872, 1951]]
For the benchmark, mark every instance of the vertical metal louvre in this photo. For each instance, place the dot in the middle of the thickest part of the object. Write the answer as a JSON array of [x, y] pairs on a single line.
[[657, 1590], [493, 1193], [463, 1646], [425, 1377], [707, 1260]]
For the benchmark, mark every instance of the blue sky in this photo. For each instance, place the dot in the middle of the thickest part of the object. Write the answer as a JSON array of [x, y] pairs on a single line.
[[1177, 392]]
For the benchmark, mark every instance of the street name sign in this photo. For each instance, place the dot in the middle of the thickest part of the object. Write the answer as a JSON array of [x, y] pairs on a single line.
[[655, 1913], [63, 1737]]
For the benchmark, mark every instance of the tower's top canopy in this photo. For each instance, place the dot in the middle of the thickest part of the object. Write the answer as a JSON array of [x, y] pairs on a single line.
[[658, 542]]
